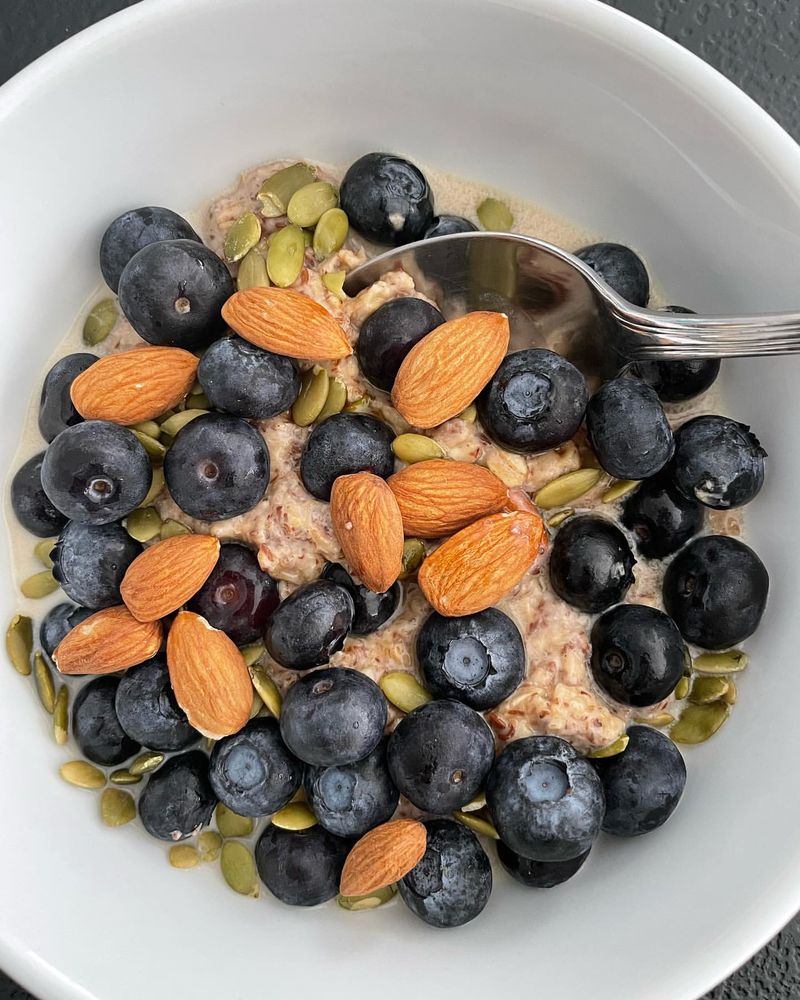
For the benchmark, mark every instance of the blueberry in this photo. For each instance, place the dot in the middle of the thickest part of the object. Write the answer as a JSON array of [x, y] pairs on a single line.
[[478, 659], [135, 229], [178, 799], [535, 401], [716, 590], [238, 597], [591, 563], [217, 467], [538, 874], [252, 772], [371, 609], [545, 799], [95, 725], [449, 225], [440, 754], [310, 625], [301, 867], [718, 462], [96, 472], [388, 334], [59, 622], [90, 562], [245, 380], [677, 381], [349, 799], [333, 716], [628, 429], [638, 655], [453, 881], [643, 784], [31, 504], [387, 199], [660, 518], [343, 444], [56, 409], [148, 710], [172, 293], [620, 268]]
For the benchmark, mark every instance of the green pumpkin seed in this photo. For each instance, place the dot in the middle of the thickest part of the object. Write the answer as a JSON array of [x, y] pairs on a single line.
[[295, 816], [567, 488], [39, 585], [169, 413], [256, 705], [560, 517], [170, 528], [146, 762], [308, 238], [331, 232], [731, 662], [335, 400], [252, 654], [358, 405], [495, 216], [334, 282], [117, 807], [124, 777], [618, 746], [43, 549], [309, 203], [708, 689], [45, 686], [470, 414], [475, 804], [413, 554], [143, 524], [230, 824], [285, 256], [149, 427], [252, 271], [156, 486], [100, 322], [154, 448], [313, 395], [209, 845], [267, 690], [413, 448], [476, 823], [732, 693], [178, 421], [657, 721], [61, 716], [682, 688], [184, 856], [19, 643], [242, 237], [370, 902], [239, 868], [198, 401], [403, 690], [276, 191], [621, 488], [82, 774], [699, 722]]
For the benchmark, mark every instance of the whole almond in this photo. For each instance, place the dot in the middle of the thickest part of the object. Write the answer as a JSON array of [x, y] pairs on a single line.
[[369, 526], [444, 372], [382, 856], [133, 386], [209, 676], [109, 640], [285, 322], [167, 574], [472, 570], [440, 497]]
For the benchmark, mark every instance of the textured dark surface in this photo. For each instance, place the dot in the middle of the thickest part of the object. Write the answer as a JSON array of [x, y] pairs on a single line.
[[756, 43]]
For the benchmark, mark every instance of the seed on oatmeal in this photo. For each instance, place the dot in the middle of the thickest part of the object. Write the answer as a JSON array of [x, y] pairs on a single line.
[[470, 414], [267, 690], [413, 554], [252, 271], [163, 417], [43, 549], [242, 237], [184, 856], [45, 686], [295, 816], [198, 401], [309, 203], [681, 688], [619, 489], [124, 777], [359, 405], [285, 256], [495, 216], [478, 824], [732, 693], [656, 721], [731, 662], [334, 282], [564, 489], [209, 845], [39, 585], [179, 420], [156, 486], [559, 517], [313, 394], [276, 191], [100, 322], [335, 401], [230, 824], [697, 723], [143, 524], [146, 762], [708, 689], [257, 705], [252, 654], [117, 807], [147, 427], [475, 804], [612, 749], [330, 233], [403, 690], [238, 868], [82, 774], [171, 528], [308, 238], [61, 716], [369, 902], [154, 448], [19, 643], [413, 448]]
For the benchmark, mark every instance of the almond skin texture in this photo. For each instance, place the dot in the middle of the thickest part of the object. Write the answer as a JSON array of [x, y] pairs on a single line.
[[443, 373], [369, 526], [472, 570], [285, 322], [110, 640], [135, 385], [209, 676], [383, 856], [440, 497], [167, 574]]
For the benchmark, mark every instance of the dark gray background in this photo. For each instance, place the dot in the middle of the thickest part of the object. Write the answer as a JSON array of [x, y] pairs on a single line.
[[754, 42]]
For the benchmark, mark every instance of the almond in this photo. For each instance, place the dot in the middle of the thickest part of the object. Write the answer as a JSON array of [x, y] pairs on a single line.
[[167, 574], [383, 856], [109, 640], [209, 676], [444, 372], [135, 385], [285, 322], [369, 526], [472, 570], [439, 497]]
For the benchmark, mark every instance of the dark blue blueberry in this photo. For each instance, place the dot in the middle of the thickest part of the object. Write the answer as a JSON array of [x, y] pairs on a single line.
[[591, 563], [217, 467], [90, 562], [538, 874], [620, 268], [628, 429], [349, 799], [178, 799], [535, 401], [660, 518], [96, 472], [310, 625], [478, 659], [638, 655], [95, 725], [242, 379], [387, 199], [148, 710], [333, 716], [33, 507], [238, 597], [252, 772], [716, 590], [135, 229], [172, 293], [387, 335], [301, 867], [449, 225], [643, 784], [677, 381], [545, 799], [453, 881], [718, 462], [59, 622], [344, 444], [440, 754], [371, 609], [56, 409]]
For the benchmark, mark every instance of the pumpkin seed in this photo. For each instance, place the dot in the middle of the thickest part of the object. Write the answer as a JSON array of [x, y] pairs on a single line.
[[495, 215], [154, 448], [567, 488], [252, 654], [413, 554], [699, 722], [657, 721], [276, 191], [39, 585], [476, 803], [117, 807], [413, 448], [732, 693], [334, 282], [330, 233], [560, 517], [309, 203], [470, 414], [124, 777], [61, 716], [239, 868], [403, 690], [82, 774], [170, 528], [209, 845], [184, 856], [358, 405], [198, 401], [618, 746], [143, 523], [621, 488], [368, 902], [43, 549], [731, 662], [243, 235], [308, 238], [149, 427], [168, 413], [19, 643], [45, 686], [295, 816], [256, 705], [334, 403], [285, 256], [146, 762], [230, 824], [178, 421], [100, 322], [708, 689], [313, 394], [682, 688], [252, 271], [477, 823], [267, 690], [156, 486]]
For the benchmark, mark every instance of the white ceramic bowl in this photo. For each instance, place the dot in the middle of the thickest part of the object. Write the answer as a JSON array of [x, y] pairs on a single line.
[[566, 102]]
